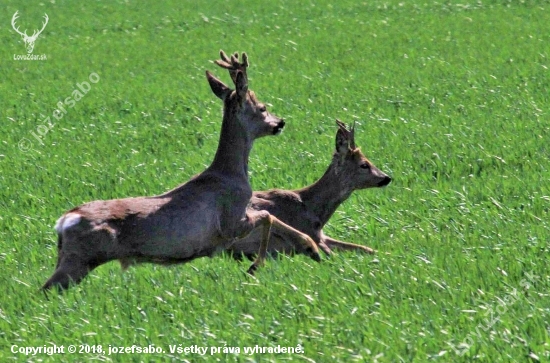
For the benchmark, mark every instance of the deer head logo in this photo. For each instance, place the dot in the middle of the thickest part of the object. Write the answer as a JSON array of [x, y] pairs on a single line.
[[29, 41]]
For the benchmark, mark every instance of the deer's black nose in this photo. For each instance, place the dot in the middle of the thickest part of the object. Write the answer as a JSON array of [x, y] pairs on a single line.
[[279, 127], [385, 181]]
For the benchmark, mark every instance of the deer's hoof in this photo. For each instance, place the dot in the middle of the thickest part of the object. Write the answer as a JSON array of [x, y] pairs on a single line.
[[326, 249], [252, 269], [315, 255], [368, 250]]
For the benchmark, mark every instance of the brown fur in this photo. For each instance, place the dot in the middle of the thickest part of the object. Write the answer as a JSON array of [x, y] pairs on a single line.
[[309, 209], [195, 219]]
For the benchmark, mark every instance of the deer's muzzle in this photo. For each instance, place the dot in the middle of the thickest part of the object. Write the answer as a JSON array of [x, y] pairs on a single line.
[[385, 181], [277, 130]]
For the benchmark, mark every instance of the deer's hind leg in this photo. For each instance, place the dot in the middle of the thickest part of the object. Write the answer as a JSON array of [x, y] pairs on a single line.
[[79, 252], [70, 269]]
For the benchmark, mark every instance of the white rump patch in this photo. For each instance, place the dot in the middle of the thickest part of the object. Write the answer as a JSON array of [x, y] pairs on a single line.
[[67, 221]]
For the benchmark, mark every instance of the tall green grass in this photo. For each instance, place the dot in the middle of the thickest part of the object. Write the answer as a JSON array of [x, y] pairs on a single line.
[[450, 98]]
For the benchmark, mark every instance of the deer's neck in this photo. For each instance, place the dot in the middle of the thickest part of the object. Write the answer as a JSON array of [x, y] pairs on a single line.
[[325, 195], [233, 150]]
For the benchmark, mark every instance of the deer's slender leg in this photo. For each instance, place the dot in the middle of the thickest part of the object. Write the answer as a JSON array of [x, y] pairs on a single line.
[[270, 224], [70, 269], [346, 246], [267, 222], [326, 249], [300, 240]]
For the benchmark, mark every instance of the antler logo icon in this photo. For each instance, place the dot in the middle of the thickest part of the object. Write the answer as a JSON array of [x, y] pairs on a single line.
[[29, 41]]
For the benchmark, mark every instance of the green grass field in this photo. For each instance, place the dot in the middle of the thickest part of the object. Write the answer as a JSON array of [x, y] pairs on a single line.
[[450, 98]]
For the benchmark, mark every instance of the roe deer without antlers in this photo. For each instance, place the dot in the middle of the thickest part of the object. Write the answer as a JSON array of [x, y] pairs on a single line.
[[195, 219], [309, 209]]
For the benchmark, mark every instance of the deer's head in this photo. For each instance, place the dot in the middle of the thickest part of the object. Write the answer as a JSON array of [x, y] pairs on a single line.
[[352, 166], [29, 40], [241, 104]]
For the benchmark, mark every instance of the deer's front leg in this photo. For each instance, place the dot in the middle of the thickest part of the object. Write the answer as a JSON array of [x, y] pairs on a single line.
[[345, 246], [270, 223], [326, 249]]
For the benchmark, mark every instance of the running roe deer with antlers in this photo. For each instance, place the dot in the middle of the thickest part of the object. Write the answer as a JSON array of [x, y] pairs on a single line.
[[29, 41], [195, 219], [309, 209]]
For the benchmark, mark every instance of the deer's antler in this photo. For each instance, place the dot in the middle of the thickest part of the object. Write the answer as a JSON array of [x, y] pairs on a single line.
[[232, 64], [352, 136], [349, 134], [35, 34], [13, 19]]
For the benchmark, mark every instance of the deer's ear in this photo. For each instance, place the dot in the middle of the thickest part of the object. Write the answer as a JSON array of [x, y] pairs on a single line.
[[217, 86], [343, 138], [342, 142], [241, 85]]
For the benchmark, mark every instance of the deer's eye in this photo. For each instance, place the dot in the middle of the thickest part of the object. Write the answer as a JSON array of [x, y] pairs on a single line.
[[364, 166]]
